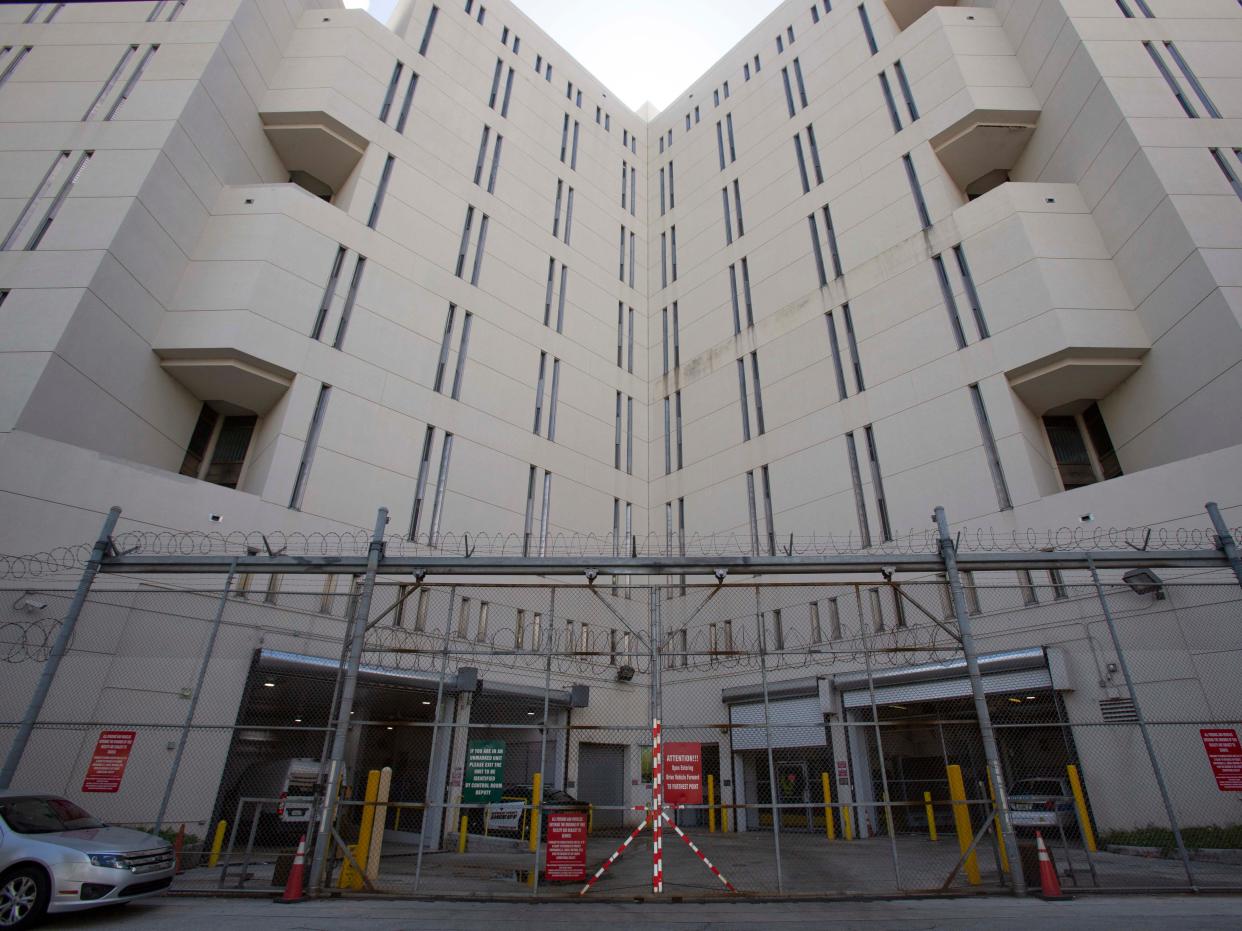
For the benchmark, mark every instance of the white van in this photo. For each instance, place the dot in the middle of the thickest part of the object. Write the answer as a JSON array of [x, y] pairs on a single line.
[[290, 781]]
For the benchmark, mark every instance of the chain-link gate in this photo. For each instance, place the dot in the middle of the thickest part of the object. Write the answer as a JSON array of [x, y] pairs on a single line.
[[624, 736]]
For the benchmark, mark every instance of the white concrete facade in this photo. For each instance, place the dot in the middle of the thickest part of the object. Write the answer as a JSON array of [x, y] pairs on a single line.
[[707, 368]]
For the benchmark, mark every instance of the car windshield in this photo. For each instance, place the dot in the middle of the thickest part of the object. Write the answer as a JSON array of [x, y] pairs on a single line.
[[1036, 787], [45, 815]]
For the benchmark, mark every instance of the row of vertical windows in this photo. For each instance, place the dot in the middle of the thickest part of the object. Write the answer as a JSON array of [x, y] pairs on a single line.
[[633, 248], [163, 11], [463, 347], [816, 247], [40, 211], [537, 546], [218, 446], [745, 293], [482, 158], [716, 94], [813, 147], [1141, 5], [753, 392], [672, 196], [972, 296], [109, 100], [553, 394], [566, 146], [1191, 78], [628, 410], [1082, 448], [629, 187], [722, 130], [557, 292], [671, 326], [308, 448], [668, 246], [47, 12], [769, 534], [1230, 168], [466, 241], [504, 40], [565, 191], [733, 218], [420, 485], [10, 58], [672, 429], [495, 91], [780, 40], [625, 337], [916, 189], [789, 95], [851, 342], [391, 93], [696, 118], [482, 13]]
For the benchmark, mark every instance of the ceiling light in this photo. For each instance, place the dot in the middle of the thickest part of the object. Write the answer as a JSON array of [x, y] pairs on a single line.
[[1030, 698], [388, 728], [269, 685], [530, 713], [426, 703], [1016, 701], [297, 720]]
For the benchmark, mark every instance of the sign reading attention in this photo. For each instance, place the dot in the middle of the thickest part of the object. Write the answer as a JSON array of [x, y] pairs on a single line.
[[1225, 754], [108, 761], [683, 773], [485, 772], [567, 840]]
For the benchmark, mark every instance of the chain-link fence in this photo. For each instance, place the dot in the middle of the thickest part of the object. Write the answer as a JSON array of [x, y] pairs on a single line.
[[505, 739]]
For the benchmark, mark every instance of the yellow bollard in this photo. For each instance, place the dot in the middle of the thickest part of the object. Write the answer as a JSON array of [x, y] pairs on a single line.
[[996, 826], [349, 876], [830, 826], [847, 824], [536, 796], [724, 816], [1080, 802], [931, 816], [711, 804], [461, 835], [961, 819], [217, 842]]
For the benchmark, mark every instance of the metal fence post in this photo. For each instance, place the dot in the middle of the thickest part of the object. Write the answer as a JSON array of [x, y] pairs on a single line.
[[948, 554], [767, 739], [198, 688], [1224, 540], [879, 739], [1142, 722], [323, 838], [59, 648], [435, 738], [536, 804]]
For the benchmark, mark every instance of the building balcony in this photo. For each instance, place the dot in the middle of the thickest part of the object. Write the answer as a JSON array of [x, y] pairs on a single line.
[[906, 12], [310, 131]]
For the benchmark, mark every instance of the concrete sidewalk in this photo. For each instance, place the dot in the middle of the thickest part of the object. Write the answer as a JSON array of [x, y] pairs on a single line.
[[1088, 912]]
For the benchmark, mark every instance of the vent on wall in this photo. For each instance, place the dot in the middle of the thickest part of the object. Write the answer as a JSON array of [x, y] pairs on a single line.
[[1118, 711]]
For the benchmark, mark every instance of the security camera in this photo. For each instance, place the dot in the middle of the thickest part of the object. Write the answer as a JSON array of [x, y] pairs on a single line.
[[721, 574], [419, 575], [887, 572], [31, 605], [591, 574]]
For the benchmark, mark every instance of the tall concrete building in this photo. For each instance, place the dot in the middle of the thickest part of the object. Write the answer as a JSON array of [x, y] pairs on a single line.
[[269, 264]]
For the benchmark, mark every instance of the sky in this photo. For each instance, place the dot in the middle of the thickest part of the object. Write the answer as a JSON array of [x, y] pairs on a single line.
[[642, 50]]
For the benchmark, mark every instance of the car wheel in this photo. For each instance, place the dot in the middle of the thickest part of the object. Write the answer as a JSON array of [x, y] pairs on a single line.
[[23, 897]]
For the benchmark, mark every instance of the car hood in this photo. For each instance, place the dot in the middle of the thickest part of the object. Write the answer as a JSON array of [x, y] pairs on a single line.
[[103, 840]]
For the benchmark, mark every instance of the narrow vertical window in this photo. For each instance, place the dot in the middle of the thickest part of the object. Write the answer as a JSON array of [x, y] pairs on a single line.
[[329, 292], [720, 143], [445, 343], [852, 341], [629, 362], [806, 184], [971, 294], [668, 435], [877, 483], [758, 390], [813, 147], [49, 215], [437, 504], [564, 137], [491, 97], [832, 243], [835, 347], [462, 349], [547, 298], [539, 383], [560, 300], [420, 483], [620, 332], [556, 208], [737, 206], [404, 115], [860, 503], [672, 249], [989, 447], [129, 85], [491, 177], [750, 315], [728, 220], [633, 250], [556, 385], [797, 66], [789, 101], [737, 313], [573, 156], [1231, 172], [351, 298], [664, 334], [676, 338], [950, 303], [504, 107], [677, 417], [1195, 84], [661, 192], [672, 194], [904, 83], [629, 436], [621, 257], [1187, 106], [380, 190], [752, 513], [741, 390], [729, 133], [616, 455], [867, 31], [112, 78], [465, 241], [431, 24], [308, 448], [479, 251], [527, 525], [569, 214], [917, 190], [664, 260], [633, 191], [767, 509], [625, 172], [16, 60], [391, 93], [889, 102]]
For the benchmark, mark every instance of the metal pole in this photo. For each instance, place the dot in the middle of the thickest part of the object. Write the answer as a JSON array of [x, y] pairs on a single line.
[[948, 553], [1224, 540], [435, 738], [1142, 722], [198, 688], [363, 610], [657, 745], [59, 648], [535, 823], [767, 731], [879, 739]]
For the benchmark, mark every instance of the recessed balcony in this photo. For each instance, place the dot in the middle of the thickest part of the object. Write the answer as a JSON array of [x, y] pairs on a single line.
[[906, 12], [311, 136], [984, 145], [1073, 376]]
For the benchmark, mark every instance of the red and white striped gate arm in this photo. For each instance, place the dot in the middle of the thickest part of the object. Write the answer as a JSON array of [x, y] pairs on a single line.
[[611, 860], [657, 806], [708, 863]]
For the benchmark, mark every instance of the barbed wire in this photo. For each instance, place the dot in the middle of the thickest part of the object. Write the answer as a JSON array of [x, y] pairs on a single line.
[[65, 560]]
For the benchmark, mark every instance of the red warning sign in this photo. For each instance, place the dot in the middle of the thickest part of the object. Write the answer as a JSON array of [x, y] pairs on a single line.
[[108, 761], [1224, 752], [567, 840], [683, 774]]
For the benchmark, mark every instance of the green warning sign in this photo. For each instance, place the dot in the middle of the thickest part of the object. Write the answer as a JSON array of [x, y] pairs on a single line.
[[485, 772]]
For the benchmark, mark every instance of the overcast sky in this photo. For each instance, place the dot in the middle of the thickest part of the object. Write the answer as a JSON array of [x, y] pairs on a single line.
[[641, 49]]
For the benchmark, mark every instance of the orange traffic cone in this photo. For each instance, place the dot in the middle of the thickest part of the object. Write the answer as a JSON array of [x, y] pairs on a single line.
[[1049, 885], [293, 888]]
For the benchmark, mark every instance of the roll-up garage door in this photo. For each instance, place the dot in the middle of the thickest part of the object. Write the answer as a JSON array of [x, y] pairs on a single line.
[[794, 722], [1019, 680]]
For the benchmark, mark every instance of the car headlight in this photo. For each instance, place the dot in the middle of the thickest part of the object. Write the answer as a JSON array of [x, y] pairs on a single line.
[[112, 861]]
